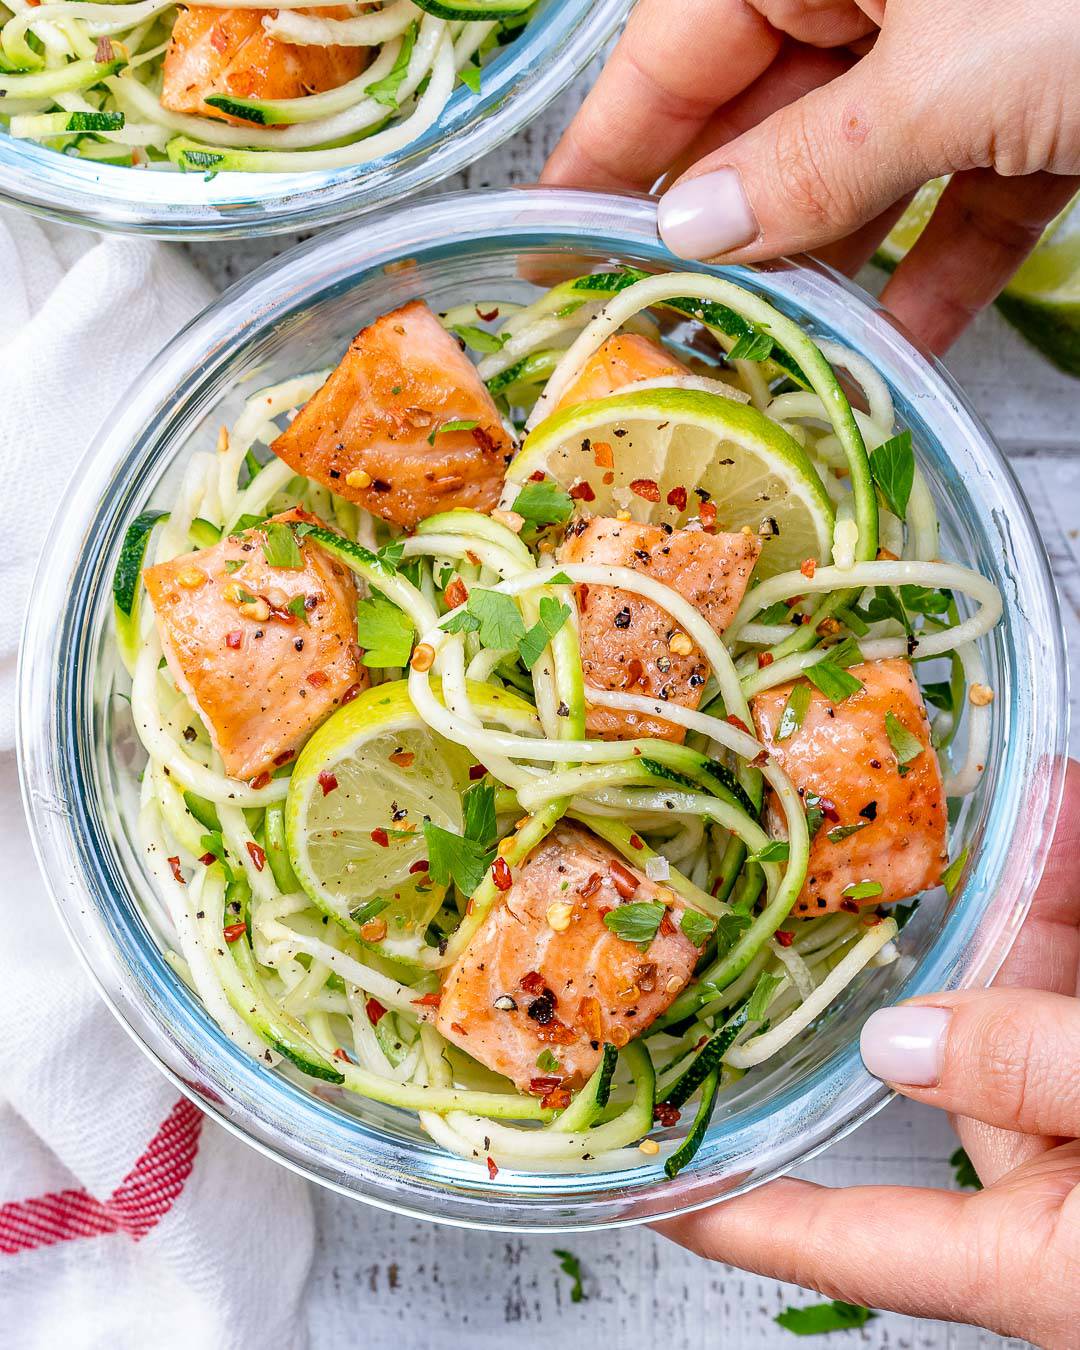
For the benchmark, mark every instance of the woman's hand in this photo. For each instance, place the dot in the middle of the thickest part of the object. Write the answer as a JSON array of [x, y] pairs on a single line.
[[807, 122], [1006, 1061]]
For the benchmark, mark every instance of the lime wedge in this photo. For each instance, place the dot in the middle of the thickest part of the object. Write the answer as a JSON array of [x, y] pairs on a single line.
[[910, 225], [665, 443], [358, 797]]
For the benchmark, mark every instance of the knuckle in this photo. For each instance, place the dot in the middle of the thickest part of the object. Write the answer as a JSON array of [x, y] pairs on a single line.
[[803, 176], [1007, 1051]]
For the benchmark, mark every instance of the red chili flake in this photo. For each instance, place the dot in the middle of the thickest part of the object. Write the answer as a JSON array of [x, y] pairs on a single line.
[[327, 781], [174, 863], [472, 557], [402, 758], [317, 678], [583, 598], [455, 594], [532, 982], [284, 757], [622, 879], [784, 938], [666, 1115], [828, 809], [738, 723], [350, 694], [539, 1087], [589, 1015], [850, 906], [601, 910], [558, 1099], [808, 568], [340, 1054], [667, 928], [381, 838], [234, 639], [470, 905], [537, 477], [256, 854], [646, 488], [234, 931], [207, 858], [500, 874], [677, 498], [476, 772], [582, 492], [555, 1033], [636, 842], [714, 890], [420, 865], [760, 759], [603, 455], [374, 1010], [707, 513], [764, 659], [487, 317], [260, 780], [428, 1001], [456, 1026], [493, 1171]]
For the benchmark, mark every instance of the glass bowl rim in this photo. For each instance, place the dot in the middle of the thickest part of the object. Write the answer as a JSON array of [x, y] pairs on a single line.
[[525, 78], [252, 306]]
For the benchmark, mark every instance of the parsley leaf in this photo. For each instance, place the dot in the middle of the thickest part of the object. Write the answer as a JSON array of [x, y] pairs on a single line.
[[728, 929], [552, 617], [757, 1005], [906, 746], [570, 1265], [385, 91], [964, 1171], [544, 503], [925, 600], [298, 610], [776, 850], [834, 836], [494, 616], [829, 676], [637, 922], [751, 347], [950, 878], [862, 890], [892, 465], [814, 814], [902, 913], [280, 548], [479, 811], [233, 565], [791, 719], [470, 77], [478, 339], [779, 612], [450, 856], [697, 927], [460, 424], [547, 1063], [392, 553], [821, 1317], [383, 631]]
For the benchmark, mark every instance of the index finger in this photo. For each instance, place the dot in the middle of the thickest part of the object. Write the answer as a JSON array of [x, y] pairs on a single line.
[[673, 66]]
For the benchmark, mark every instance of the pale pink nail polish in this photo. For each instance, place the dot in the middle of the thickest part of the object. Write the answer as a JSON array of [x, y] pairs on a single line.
[[706, 216], [905, 1045]]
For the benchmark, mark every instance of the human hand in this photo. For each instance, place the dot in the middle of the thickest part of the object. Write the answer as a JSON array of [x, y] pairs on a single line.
[[806, 125], [1006, 1061]]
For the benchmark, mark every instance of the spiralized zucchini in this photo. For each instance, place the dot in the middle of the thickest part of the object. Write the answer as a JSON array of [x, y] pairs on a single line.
[[296, 990]]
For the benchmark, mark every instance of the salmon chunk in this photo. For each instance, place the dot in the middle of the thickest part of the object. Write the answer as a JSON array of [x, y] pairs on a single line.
[[538, 978], [842, 754], [227, 52], [632, 645], [372, 432], [623, 359], [265, 653]]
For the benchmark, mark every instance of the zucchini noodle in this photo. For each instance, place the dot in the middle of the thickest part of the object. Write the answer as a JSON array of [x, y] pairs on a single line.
[[504, 693]]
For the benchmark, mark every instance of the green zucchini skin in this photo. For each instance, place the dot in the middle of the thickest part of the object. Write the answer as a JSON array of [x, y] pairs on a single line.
[[475, 9], [696, 1135], [593, 1097], [130, 563], [706, 1061]]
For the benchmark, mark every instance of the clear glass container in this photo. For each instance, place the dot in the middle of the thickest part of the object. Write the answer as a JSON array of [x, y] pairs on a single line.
[[520, 80], [80, 757]]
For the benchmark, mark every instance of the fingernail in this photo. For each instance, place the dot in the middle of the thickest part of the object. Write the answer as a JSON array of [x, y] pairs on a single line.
[[905, 1045], [706, 216]]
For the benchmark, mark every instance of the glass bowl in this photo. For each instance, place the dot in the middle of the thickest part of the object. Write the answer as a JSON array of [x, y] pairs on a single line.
[[520, 81], [79, 756]]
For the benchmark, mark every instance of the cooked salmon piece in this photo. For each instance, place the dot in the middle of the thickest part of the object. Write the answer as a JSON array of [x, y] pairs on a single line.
[[630, 644], [372, 432], [621, 360], [538, 978], [227, 52], [843, 755], [261, 675]]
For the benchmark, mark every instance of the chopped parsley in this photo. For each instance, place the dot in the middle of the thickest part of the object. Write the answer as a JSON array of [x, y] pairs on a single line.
[[840, 832], [460, 424], [391, 554], [544, 503], [369, 910], [862, 890], [385, 91], [637, 922], [776, 850], [697, 927], [233, 565], [570, 1265], [892, 465], [791, 719], [383, 631], [298, 609], [817, 1318], [939, 694], [470, 77], [950, 878], [830, 674], [729, 927], [495, 617], [757, 1005], [478, 339], [553, 615], [547, 1063], [280, 548], [452, 857], [906, 746], [479, 812], [751, 347], [815, 816]]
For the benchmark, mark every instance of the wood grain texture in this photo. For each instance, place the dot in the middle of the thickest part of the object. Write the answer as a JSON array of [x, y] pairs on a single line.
[[387, 1283]]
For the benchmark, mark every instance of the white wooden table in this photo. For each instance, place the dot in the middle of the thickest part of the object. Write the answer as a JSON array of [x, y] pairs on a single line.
[[386, 1283]]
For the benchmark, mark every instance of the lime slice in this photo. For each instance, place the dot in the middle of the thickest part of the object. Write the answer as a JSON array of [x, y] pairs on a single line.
[[673, 441], [359, 794], [910, 225]]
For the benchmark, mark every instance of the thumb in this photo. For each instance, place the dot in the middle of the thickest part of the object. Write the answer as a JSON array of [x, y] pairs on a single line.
[[811, 173], [1008, 1057]]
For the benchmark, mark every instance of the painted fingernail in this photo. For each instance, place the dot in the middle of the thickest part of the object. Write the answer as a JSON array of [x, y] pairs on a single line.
[[905, 1045], [706, 216]]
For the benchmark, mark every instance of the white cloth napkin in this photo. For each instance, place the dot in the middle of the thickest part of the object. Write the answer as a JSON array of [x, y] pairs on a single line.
[[127, 1219]]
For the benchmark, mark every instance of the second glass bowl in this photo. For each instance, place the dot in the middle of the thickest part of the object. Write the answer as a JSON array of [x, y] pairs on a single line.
[[80, 772]]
